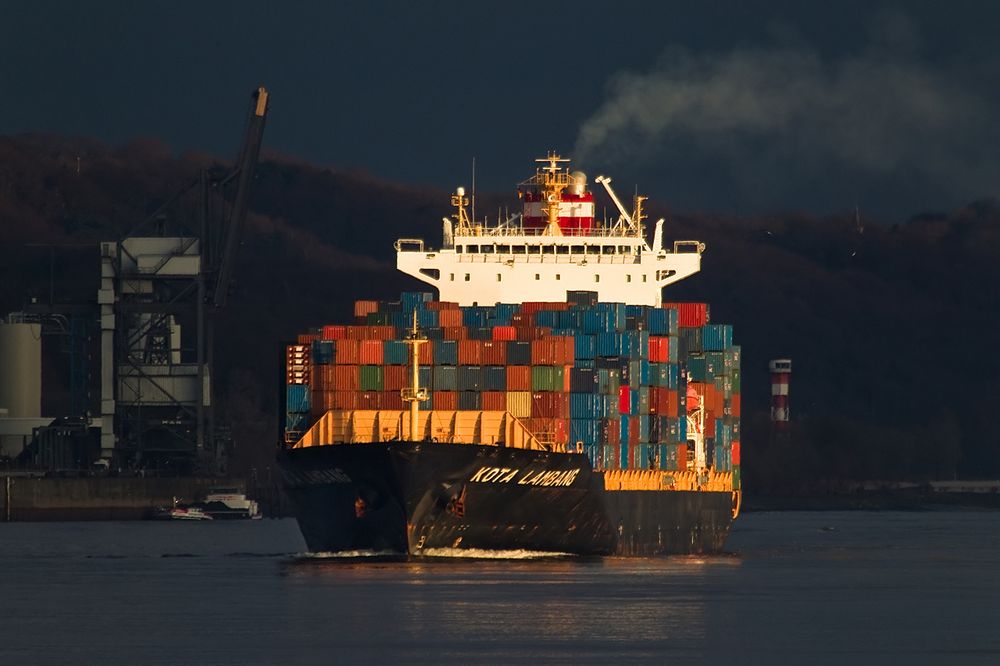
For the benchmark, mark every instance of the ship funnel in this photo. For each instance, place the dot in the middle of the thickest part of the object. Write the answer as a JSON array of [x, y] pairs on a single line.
[[448, 239]]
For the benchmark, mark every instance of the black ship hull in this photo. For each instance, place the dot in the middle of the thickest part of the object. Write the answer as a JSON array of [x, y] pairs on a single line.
[[415, 497]]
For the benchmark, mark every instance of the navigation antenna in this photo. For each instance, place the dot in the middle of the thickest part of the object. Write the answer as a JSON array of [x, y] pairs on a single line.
[[414, 394]]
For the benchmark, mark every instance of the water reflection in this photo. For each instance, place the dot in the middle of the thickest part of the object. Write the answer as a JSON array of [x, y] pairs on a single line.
[[524, 605]]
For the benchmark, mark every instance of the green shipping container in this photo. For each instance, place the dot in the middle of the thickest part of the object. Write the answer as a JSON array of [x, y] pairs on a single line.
[[736, 477], [547, 378], [371, 378]]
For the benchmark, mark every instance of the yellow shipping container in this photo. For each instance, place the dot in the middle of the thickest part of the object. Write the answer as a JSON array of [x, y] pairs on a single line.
[[519, 404]]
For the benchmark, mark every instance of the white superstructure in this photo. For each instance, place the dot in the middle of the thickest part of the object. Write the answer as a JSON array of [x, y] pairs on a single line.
[[555, 245]]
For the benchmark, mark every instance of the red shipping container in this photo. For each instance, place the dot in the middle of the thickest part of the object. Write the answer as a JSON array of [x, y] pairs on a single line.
[[445, 400], [504, 333], [690, 315], [624, 400], [709, 423], [546, 404], [308, 338], [518, 378], [735, 407], [455, 332], [494, 401], [673, 403], [345, 400], [470, 352], [364, 308], [529, 333], [347, 352], [368, 399], [682, 457], [548, 429], [370, 352], [532, 307], [450, 319], [391, 400], [395, 377], [522, 319], [736, 453], [613, 431], [633, 430], [381, 333], [493, 352], [331, 332], [659, 349]]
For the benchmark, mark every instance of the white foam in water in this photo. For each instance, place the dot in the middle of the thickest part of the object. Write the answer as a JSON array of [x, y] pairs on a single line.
[[481, 554], [344, 554]]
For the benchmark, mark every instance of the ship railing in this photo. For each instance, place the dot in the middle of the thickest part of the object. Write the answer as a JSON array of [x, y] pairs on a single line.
[[530, 258], [603, 231], [409, 245]]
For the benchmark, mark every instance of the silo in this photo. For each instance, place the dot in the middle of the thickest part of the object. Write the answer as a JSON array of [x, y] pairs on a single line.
[[21, 370]]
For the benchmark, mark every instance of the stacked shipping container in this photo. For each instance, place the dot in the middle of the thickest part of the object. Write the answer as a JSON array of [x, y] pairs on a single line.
[[618, 380]]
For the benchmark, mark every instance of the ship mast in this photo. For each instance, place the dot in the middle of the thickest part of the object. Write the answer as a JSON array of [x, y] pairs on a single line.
[[415, 394], [553, 182]]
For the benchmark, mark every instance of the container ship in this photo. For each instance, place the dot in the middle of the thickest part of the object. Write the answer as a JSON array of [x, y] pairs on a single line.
[[544, 399]]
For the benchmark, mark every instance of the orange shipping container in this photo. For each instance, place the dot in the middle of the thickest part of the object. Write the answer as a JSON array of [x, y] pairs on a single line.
[[449, 318], [445, 400], [735, 407], [455, 332], [346, 352], [331, 332], [308, 338], [426, 355], [504, 333], [518, 377], [470, 352], [364, 308], [736, 453], [441, 305], [494, 401], [370, 352]]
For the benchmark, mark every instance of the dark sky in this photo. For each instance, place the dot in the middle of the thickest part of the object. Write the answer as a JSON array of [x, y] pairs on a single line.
[[735, 106]]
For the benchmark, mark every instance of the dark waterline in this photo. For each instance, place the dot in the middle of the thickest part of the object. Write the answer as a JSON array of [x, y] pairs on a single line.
[[829, 587]]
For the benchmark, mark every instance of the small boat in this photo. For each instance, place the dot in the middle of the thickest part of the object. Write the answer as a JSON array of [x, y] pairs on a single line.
[[218, 504], [180, 512], [229, 503]]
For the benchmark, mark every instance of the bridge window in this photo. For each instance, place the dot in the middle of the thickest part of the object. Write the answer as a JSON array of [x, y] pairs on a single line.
[[562, 249], [472, 249], [503, 249], [459, 249], [623, 249], [432, 273], [608, 249], [488, 249], [577, 249], [518, 249], [593, 249]]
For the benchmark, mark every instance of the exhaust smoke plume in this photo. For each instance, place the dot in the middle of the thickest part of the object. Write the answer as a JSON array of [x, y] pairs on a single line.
[[879, 114]]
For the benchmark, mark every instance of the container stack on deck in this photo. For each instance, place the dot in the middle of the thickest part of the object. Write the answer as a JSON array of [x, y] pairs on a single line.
[[618, 379]]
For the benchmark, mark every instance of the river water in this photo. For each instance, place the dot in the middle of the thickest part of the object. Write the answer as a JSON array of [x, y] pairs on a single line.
[[800, 588]]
